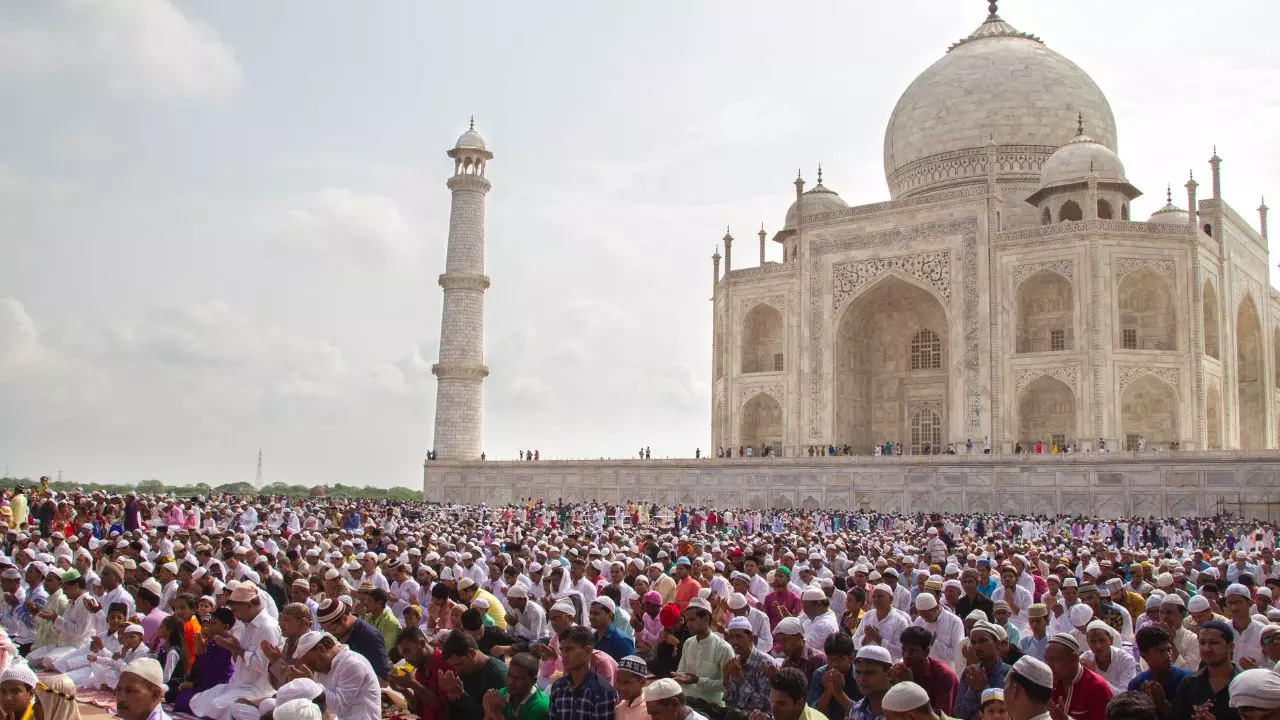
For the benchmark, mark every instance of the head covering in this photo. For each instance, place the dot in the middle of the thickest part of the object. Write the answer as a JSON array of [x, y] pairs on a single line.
[[565, 606], [607, 603], [1036, 671], [245, 592], [148, 669], [991, 695], [22, 673], [1110, 631], [669, 615], [1238, 589], [134, 628], [1037, 610], [329, 610], [635, 665], [299, 709], [652, 597], [307, 642], [1198, 603], [1080, 614], [904, 697], [1257, 688], [1221, 627], [813, 594], [661, 690], [739, 623], [876, 653], [926, 601], [1066, 640], [996, 631], [789, 626], [304, 688]]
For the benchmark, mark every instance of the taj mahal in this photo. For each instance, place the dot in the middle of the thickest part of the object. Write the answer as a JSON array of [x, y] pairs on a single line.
[[1003, 293]]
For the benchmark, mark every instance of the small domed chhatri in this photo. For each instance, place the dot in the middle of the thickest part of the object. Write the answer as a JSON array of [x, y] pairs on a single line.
[[470, 140], [1003, 292]]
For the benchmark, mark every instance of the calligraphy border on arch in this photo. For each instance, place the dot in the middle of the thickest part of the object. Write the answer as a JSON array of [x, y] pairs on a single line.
[[900, 239], [932, 268]]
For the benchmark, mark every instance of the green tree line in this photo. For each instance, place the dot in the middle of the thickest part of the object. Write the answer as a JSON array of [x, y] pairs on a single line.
[[156, 487]]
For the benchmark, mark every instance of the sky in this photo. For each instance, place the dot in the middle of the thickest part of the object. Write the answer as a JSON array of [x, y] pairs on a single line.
[[221, 223]]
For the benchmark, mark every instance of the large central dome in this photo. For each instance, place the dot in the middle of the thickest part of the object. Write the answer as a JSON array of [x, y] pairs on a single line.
[[997, 84]]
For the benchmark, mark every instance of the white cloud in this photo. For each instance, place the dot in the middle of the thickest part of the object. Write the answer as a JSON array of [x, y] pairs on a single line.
[[142, 48], [336, 222]]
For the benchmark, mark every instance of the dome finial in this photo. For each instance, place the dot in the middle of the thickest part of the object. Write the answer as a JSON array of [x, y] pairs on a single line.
[[991, 11], [473, 123], [1168, 193], [1080, 123], [819, 173]]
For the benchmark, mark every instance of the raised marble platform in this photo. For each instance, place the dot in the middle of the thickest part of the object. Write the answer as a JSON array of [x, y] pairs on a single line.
[[1179, 484]]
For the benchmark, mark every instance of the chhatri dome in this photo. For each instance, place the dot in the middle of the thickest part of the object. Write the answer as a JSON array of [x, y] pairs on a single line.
[[1170, 214], [997, 84], [470, 140], [818, 199]]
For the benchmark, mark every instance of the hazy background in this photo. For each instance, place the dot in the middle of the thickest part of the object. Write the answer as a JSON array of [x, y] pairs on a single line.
[[221, 223]]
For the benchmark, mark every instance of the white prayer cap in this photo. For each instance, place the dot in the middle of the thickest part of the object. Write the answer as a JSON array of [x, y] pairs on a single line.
[[740, 623], [813, 594], [661, 690], [884, 588], [564, 606], [134, 628], [245, 592], [1080, 614], [925, 601], [517, 591], [876, 653], [789, 626], [22, 673], [299, 709], [1238, 589], [148, 669], [737, 601], [1198, 603], [304, 688], [995, 630], [153, 585], [465, 583], [905, 697], [1257, 688], [1173, 599], [308, 641], [607, 603], [699, 603], [1035, 671]]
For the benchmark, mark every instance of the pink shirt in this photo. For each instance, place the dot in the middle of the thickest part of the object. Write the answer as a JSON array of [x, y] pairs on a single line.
[[636, 710]]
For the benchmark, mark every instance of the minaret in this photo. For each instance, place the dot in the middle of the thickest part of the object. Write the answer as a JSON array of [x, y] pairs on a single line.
[[728, 252], [461, 371], [1262, 218], [763, 235]]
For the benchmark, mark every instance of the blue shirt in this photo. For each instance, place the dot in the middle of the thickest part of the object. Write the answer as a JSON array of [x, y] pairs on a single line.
[[594, 699], [1176, 676], [969, 701], [615, 644], [834, 711]]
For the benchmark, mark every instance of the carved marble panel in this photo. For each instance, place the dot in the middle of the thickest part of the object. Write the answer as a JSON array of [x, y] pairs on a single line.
[[949, 502], [931, 268], [1128, 374], [1025, 376], [777, 301], [1109, 504], [1065, 267], [1124, 265], [1179, 505], [1146, 504], [980, 502]]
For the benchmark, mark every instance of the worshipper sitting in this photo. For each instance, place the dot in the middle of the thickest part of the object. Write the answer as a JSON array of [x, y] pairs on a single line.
[[250, 677], [1161, 679], [992, 707], [664, 658], [630, 681], [422, 688], [746, 684], [920, 667], [1027, 692], [581, 692], [1115, 664], [351, 689], [872, 665], [1082, 693], [171, 652], [74, 625], [608, 639], [833, 688], [1036, 637], [1211, 683], [56, 699], [702, 661], [491, 639], [140, 692], [471, 675], [105, 666], [663, 699], [787, 695], [795, 652], [295, 621], [336, 618], [907, 700], [377, 614], [1255, 694], [78, 666], [520, 699], [986, 671], [212, 666]]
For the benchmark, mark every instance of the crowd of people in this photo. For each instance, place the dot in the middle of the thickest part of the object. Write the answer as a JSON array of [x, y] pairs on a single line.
[[249, 608]]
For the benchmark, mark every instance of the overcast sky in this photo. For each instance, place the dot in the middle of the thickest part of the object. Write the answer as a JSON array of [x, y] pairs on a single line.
[[221, 222]]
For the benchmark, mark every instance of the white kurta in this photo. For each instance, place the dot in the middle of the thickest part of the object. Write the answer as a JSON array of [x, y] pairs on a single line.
[[948, 631], [249, 676], [106, 669], [351, 690], [75, 627]]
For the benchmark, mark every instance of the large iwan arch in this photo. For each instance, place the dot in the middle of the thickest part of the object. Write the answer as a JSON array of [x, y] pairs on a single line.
[[1149, 410], [762, 422], [1147, 316], [1250, 383], [1046, 413], [1045, 312], [762, 340]]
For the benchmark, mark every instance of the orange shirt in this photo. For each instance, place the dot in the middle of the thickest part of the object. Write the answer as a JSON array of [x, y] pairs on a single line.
[[190, 629]]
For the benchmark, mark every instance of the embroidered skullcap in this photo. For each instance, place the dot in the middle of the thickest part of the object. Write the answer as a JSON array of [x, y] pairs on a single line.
[[148, 669], [991, 695], [299, 709], [996, 631], [22, 673], [1035, 671], [905, 697], [1257, 688], [1001, 605], [331, 609], [662, 690], [301, 583], [11, 573], [1037, 610], [789, 626], [876, 653], [635, 665], [517, 591], [307, 642], [564, 606], [1198, 603], [740, 623], [1066, 640], [1080, 614], [926, 601], [737, 601]]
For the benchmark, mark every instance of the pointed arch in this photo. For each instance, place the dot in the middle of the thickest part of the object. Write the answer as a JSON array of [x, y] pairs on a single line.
[[1149, 410], [762, 340], [1045, 307], [1069, 211], [1147, 314], [1213, 418], [1046, 217], [762, 422], [1250, 384], [1047, 412], [1209, 299], [1104, 210], [926, 427]]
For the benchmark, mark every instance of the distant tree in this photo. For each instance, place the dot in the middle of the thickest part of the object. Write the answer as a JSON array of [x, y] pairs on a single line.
[[151, 486], [238, 488]]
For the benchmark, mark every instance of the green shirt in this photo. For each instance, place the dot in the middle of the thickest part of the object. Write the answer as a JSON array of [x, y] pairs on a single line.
[[536, 707], [386, 624]]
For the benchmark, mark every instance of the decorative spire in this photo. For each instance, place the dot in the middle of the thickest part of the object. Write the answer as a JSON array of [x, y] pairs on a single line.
[[798, 178], [819, 173], [473, 123], [1080, 123], [728, 237], [1168, 193], [991, 11]]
